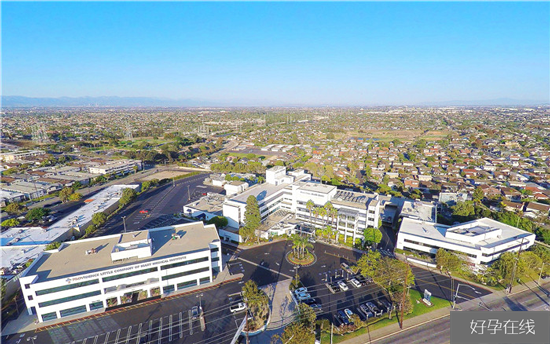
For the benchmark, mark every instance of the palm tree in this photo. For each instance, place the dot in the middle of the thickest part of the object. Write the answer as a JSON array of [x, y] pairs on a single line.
[[330, 211], [322, 213], [310, 205], [316, 213], [296, 242], [305, 245]]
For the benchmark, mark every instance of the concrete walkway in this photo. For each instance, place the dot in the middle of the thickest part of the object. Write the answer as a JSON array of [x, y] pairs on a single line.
[[471, 305]]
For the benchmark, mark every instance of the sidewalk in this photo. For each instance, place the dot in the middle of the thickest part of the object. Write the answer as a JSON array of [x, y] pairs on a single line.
[[470, 305]]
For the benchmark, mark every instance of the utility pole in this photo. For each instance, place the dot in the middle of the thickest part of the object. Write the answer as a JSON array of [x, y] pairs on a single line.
[[541, 268], [246, 325], [188, 194], [403, 298], [515, 267], [331, 328]]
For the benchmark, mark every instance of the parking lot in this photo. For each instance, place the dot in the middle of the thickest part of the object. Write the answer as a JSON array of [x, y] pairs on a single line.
[[271, 265]]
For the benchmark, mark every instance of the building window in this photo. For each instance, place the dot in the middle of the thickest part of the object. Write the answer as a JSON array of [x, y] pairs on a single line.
[[215, 249], [168, 289], [184, 263], [185, 273], [66, 287], [30, 297], [96, 305], [27, 286], [187, 284], [69, 298], [215, 259], [49, 316], [204, 280], [72, 311], [129, 274]]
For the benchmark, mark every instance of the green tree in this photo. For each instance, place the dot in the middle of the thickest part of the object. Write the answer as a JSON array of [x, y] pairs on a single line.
[[53, 245], [504, 266], [478, 194], [37, 214], [75, 196], [372, 235], [98, 219], [310, 205], [128, 195], [391, 274], [10, 223], [448, 261], [252, 218], [219, 221], [14, 208], [65, 193], [295, 333], [368, 263], [306, 316]]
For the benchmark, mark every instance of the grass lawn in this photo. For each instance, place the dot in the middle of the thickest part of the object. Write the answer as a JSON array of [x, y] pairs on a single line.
[[418, 309]]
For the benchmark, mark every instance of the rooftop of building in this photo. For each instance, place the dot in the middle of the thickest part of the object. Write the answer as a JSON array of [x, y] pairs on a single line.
[[316, 187], [211, 203], [418, 210], [353, 199], [436, 231], [72, 258], [260, 191]]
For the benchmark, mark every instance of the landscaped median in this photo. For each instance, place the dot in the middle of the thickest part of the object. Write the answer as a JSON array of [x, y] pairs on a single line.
[[419, 308]]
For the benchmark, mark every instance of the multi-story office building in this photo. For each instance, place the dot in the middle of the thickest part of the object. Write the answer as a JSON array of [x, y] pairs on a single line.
[[482, 240], [292, 191], [97, 273]]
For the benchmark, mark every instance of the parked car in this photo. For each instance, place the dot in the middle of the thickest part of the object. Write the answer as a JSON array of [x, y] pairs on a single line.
[[316, 307], [386, 304], [381, 307], [349, 313], [361, 279], [365, 310], [373, 308], [334, 287], [144, 211], [346, 267], [301, 290], [311, 240], [310, 301], [195, 312], [343, 285], [354, 282], [241, 306], [303, 296], [343, 317]]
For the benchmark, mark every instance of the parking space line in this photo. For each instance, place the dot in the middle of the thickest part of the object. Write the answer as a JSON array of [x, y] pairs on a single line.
[[106, 337], [95, 339], [138, 336], [170, 328], [128, 334], [160, 331], [181, 327], [190, 324], [117, 335]]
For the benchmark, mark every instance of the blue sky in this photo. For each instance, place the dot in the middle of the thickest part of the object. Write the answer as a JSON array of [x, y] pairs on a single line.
[[278, 53]]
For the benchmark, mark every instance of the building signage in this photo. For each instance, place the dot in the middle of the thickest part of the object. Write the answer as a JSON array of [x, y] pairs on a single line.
[[125, 269]]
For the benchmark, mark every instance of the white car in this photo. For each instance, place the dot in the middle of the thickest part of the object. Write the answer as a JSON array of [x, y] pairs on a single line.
[[303, 296], [241, 306], [355, 283], [301, 290], [343, 285]]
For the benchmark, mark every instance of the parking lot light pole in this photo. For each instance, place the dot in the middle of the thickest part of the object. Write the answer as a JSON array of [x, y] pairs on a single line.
[[124, 222], [31, 338], [458, 287]]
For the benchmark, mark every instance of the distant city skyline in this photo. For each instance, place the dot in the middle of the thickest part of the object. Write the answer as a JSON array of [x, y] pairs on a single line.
[[341, 54]]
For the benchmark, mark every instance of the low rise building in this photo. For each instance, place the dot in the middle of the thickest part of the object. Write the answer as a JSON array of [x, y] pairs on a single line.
[[482, 241], [98, 273], [115, 167]]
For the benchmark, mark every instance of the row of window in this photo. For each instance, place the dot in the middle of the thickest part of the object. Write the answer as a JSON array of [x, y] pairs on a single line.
[[438, 247], [129, 274], [185, 273], [184, 263], [69, 298], [66, 287], [503, 250]]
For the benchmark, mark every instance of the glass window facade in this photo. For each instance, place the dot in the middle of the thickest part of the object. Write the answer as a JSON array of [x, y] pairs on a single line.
[[168, 289], [69, 298], [96, 305], [204, 280], [185, 273], [188, 284], [72, 311], [66, 287], [187, 262], [49, 316]]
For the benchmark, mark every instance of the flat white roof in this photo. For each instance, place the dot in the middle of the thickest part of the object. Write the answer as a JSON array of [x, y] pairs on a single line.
[[317, 187], [436, 231], [418, 210], [72, 259], [260, 191]]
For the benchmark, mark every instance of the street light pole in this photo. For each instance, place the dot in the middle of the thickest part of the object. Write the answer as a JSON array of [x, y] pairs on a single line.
[[31, 338], [124, 222]]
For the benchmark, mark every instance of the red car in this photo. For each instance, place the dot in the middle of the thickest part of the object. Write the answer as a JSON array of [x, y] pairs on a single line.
[[144, 211]]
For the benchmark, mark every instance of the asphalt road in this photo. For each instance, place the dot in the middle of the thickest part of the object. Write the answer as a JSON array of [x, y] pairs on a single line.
[[439, 331], [161, 203]]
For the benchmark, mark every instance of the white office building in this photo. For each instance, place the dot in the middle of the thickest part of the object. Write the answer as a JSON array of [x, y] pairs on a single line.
[[482, 240], [97, 273], [291, 192], [115, 167]]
